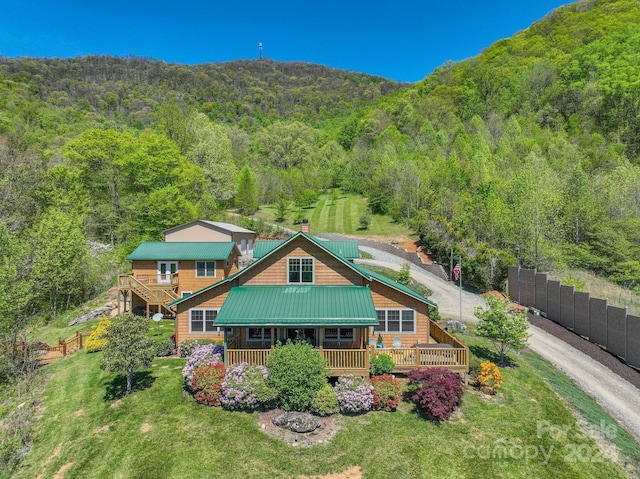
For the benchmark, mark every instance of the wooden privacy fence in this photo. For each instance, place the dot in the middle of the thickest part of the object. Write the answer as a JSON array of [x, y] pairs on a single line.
[[49, 353], [593, 318]]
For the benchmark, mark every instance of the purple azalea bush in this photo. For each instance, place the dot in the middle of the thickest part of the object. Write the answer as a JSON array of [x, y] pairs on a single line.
[[355, 394], [200, 356], [245, 387]]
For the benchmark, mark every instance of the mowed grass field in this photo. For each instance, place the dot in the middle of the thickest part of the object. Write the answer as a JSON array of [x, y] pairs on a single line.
[[86, 429], [339, 216]]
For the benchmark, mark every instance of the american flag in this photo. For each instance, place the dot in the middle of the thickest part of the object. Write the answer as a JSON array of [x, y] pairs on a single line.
[[456, 271]]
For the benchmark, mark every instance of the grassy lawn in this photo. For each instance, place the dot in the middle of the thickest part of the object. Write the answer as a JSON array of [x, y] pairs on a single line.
[[51, 332], [325, 216], [160, 432]]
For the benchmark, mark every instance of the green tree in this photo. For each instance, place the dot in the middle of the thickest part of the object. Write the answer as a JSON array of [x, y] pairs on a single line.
[[211, 150], [505, 329], [128, 348], [365, 219], [247, 194], [282, 205], [60, 261], [405, 274], [16, 296]]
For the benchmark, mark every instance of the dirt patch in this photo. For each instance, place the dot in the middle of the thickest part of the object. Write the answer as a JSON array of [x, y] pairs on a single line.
[[116, 404], [61, 472], [146, 427], [411, 246], [352, 473], [53, 455], [104, 428], [79, 412], [328, 428]]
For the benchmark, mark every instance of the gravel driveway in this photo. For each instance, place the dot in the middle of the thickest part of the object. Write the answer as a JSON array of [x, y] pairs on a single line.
[[618, 397]]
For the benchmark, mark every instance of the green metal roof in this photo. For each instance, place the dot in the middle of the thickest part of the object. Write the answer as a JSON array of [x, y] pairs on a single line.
[[368, 274], [177, 250], [280, 306], [372, 275], [263, 247], [346, 248]]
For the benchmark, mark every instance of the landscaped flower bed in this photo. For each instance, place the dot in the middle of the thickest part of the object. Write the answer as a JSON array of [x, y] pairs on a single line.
[[295, 379]]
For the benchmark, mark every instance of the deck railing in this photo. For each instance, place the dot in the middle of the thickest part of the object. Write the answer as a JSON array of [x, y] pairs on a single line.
[[347, 359], [251, 356], [456, 359], [152, 293], [49, 353]]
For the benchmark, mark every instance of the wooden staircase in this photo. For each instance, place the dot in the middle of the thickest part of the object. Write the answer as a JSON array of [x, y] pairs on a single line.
[[160, 295]]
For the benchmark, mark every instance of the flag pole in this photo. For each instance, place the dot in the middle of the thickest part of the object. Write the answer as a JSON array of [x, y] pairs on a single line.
[[460, 288]]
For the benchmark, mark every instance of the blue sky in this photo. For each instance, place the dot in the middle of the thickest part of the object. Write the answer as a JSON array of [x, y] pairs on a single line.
[[401, 40]]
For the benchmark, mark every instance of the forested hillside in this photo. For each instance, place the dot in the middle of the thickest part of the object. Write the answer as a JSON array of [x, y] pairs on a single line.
[[531, 149]]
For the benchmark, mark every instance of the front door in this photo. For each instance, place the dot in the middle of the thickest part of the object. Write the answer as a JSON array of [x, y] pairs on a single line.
[[165, 270]]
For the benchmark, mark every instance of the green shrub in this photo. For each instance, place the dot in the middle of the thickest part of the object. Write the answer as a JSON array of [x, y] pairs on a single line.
[[164, 348], [297, 372], [98, 337], [326, 402], [381, 364]]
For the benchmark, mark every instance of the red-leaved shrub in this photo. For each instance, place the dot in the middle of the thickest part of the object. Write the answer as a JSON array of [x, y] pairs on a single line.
[[207, 383], [439, 391], [387, 391]]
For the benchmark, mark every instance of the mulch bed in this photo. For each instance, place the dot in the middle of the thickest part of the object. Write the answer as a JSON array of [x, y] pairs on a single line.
[[593, 351], [329, 427]]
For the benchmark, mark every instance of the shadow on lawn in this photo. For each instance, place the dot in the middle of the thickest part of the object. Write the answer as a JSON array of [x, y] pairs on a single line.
[[483, 353], [118, 385]]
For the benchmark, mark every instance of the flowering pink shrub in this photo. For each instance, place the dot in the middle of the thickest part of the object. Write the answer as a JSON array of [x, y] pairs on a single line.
[[440, 391], [355, 394], [207, 383], [201, 355], [245, 387], [387, 391]]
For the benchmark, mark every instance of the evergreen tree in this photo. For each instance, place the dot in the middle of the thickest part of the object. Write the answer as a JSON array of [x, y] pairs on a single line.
[[247, 194]]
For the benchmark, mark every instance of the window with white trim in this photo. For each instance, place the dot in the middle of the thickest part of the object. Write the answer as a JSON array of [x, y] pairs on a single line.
[[202, 321], [339, 334], [300, 270], [396, 321], [186, 293], [258, 334], [205, 269]]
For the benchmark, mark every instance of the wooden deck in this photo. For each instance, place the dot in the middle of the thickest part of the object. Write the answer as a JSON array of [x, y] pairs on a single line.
[[357, 361], [147, 288]]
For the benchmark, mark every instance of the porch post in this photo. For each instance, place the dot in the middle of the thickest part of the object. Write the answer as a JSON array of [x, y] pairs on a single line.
[[428, 325], [320, 339], [273, 337], [225, 347]]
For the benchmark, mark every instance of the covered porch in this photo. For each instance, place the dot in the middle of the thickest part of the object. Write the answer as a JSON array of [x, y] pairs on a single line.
[[334, 319], [337, 320]]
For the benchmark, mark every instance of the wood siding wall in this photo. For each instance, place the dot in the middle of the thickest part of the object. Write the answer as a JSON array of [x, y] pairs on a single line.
[[385, 297], [212, 299], [327, 270], [187, 280]]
